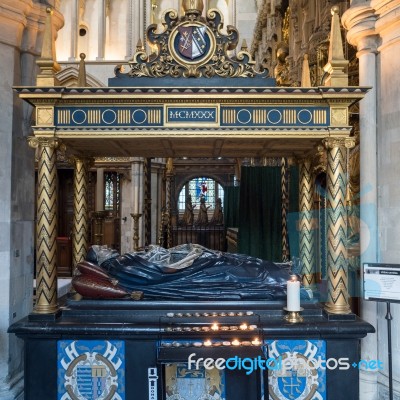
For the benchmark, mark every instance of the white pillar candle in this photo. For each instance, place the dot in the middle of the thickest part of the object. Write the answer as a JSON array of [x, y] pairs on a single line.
[[293, 294]]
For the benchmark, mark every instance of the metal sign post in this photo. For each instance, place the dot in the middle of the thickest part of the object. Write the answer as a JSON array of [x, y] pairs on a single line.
[[382, 283]]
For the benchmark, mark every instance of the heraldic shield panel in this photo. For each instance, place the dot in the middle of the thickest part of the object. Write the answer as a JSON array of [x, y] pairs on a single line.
[[302, 375], [182, 383], [91, 370]]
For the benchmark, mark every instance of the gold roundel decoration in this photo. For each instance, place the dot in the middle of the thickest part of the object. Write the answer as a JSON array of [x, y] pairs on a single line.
[[192, 44]]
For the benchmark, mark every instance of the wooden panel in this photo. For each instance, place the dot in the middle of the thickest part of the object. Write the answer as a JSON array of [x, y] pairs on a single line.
[[64, 256]]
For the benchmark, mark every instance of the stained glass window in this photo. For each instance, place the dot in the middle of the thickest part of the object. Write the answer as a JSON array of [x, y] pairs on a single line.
[[201, 187], [112, 191]]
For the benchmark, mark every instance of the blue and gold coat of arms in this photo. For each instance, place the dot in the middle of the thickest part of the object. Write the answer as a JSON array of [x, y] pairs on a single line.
[[192, 41], [91, 370], [300, 378]]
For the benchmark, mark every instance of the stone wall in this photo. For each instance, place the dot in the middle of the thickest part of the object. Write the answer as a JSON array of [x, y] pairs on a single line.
[[22, 25]]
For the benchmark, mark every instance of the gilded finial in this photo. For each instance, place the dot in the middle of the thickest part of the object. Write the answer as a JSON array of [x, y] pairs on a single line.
[[337, 64], [47, 62], [244, 45], [305, 73], [82, 71], [193, 6]]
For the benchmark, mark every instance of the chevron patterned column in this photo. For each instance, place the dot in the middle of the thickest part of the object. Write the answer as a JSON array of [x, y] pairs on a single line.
[[46, 228], [285, 198], [80, 228], [169, 176], [337, 269], [307, 239], [147, 200]]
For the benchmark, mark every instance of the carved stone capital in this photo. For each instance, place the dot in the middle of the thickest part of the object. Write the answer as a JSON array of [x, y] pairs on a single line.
[[359, 20], [331, 143]]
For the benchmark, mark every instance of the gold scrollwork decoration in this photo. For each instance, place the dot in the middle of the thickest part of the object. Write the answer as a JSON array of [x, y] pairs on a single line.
[[176, 55]]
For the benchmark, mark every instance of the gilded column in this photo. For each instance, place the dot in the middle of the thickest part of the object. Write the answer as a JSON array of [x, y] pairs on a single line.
[[46, 228], [147, 200], [169, 175], [307, 240], [337, 268], [284, 190], [80, 228]]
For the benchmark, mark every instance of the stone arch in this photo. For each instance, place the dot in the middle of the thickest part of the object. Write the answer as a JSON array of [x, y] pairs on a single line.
[[68, 77]]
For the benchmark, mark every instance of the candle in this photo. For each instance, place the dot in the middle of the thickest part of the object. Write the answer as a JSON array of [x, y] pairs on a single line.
[[215, 327], [235, 342], [293, 294], [256, 342], [208, 343], [243, 327]]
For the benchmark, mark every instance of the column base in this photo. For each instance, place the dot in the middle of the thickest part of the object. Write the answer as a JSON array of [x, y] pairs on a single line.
[[337, 308]]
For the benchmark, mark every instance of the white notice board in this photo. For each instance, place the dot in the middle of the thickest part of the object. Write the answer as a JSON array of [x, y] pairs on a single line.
[[382, 282]]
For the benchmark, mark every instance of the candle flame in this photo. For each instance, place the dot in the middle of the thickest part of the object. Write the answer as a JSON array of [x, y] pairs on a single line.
[[207, 343], [235, 342], [215, 327], [243, 327]]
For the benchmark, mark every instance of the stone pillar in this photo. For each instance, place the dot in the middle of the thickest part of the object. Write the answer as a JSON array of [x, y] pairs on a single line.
[[74, 31], [102, 30], [307, 239], [80, 228], [46, 268], [360, 20], [337, 268], [100, 189]]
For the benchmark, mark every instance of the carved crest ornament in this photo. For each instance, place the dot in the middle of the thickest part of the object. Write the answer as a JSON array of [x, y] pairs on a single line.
[[192, 46]]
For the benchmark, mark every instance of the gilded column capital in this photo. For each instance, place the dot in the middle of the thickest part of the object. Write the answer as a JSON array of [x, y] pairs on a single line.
[[88, 161], [303, 160], [52, 142], [332, 143], [320, 159], [170, 167]]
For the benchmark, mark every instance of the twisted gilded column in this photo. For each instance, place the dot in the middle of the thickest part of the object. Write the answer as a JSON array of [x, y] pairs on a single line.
[[337, 268], [80, 228], [46, 228], [284, 207], [307, 239]]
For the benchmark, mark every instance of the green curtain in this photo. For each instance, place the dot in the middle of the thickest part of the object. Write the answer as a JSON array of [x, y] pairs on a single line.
[[294, 189], [231, 206], [260, 216], [293, 213]]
